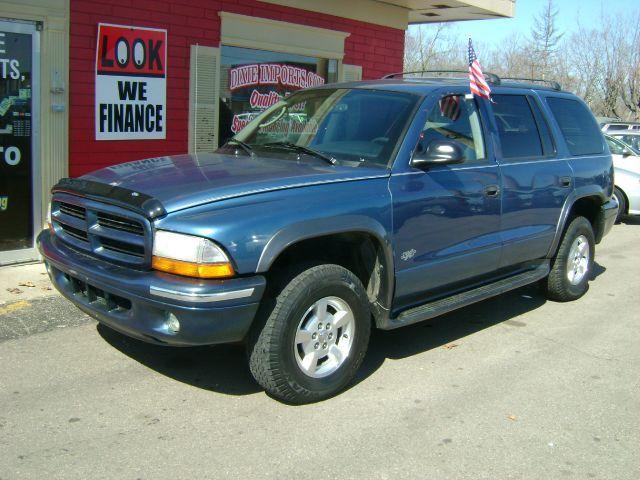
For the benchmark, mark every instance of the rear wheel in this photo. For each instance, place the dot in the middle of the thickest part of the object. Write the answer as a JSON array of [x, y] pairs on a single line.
[[310, 343], [619, 196], [572, 266]]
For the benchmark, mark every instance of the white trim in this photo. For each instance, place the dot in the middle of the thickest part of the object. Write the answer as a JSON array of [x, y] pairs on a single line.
[[370, 11], [264, 34]]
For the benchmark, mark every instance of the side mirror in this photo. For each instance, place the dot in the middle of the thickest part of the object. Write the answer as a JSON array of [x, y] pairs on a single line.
[[626, 152], [438, 152]]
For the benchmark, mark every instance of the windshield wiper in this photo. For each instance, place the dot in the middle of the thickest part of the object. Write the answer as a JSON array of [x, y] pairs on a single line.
[[245, 146], [300, 148]]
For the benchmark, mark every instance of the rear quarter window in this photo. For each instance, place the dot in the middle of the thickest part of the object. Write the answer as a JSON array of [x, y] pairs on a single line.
[[579, 129]]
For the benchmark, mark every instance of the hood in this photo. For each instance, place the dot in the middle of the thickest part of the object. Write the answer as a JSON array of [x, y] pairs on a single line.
[[184, 181]]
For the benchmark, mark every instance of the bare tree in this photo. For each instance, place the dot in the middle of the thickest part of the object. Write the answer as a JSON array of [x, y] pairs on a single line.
[[600, 63], [428, 47], [545, 38]]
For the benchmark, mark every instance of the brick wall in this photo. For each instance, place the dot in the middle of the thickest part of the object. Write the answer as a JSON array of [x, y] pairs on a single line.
[[378, 49]]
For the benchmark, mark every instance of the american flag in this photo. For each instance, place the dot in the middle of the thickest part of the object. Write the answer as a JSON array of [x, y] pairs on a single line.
[[450, 107], [478, 84]]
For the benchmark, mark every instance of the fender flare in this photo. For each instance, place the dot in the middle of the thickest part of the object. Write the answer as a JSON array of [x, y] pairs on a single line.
[[315, 228], [577, 194]]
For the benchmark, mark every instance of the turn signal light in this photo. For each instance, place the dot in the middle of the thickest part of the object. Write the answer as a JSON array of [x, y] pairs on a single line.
[[189, 269]]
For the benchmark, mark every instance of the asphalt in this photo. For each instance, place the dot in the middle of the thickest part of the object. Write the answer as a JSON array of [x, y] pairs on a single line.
[[515, 387]]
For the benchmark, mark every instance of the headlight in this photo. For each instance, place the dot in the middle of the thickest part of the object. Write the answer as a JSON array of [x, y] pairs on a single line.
[[189, 255]]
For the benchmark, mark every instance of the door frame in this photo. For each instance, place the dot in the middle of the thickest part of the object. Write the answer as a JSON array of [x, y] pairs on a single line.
[[31, 253]]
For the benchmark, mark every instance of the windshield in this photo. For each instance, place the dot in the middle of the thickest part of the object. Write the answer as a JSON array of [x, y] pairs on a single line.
[[630, 140], [342, 124]]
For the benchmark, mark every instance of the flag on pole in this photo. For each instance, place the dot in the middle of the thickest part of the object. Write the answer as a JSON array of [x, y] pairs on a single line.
[[477, 82]]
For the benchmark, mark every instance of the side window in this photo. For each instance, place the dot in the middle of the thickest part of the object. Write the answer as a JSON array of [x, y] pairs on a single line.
[[548, 147], [616, 147], [455, 118], [579, 129], [518, 129]]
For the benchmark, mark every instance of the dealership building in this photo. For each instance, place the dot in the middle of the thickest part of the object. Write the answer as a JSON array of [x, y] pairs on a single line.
[[87, 84]]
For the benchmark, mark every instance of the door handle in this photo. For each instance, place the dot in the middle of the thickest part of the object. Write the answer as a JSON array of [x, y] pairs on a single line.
[[491, 191], [565, 182]]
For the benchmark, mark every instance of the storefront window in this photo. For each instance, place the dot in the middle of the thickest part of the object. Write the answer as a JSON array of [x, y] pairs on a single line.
[[254, 80], [16, 199]]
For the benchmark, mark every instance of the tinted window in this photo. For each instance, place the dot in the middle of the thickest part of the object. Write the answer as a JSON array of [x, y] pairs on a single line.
[[517, 127], [454, 118], [548, 146], [578, 126]]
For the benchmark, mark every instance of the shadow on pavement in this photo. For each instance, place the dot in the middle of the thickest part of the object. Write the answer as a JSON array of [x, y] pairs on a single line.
[[220, 368], [223, 368], [630, 220]]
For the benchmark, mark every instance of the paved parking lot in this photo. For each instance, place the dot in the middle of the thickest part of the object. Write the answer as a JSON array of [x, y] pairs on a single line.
[[513, 387]]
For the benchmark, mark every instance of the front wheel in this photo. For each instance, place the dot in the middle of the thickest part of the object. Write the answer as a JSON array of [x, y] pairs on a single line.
[[310, 343], [572, 266]]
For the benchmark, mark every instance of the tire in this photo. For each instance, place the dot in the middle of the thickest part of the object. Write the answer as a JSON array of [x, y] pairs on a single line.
[[281, 349], [622, 203], [568, 280]]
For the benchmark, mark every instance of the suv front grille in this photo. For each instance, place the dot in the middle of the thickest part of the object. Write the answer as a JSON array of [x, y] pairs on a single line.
[[120, 223], [104, 231], [73, 210]]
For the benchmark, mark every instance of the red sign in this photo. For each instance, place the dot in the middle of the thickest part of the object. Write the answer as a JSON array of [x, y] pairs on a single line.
[[131, 51]]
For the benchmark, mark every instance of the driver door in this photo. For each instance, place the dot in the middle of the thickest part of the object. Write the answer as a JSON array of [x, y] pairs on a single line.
[[446, 218]]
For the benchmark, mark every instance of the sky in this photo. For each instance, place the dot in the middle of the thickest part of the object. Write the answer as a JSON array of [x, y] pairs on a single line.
[[588, 12]]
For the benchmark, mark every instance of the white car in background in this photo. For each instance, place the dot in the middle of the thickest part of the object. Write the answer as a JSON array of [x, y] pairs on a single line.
[[626, 164], [629, 138]]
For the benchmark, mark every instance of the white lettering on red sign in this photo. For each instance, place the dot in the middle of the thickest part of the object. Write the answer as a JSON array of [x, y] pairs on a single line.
[[263, 100], [272, 74]]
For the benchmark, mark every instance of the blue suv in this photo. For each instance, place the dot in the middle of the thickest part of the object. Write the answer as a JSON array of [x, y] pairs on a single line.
[[343, 208]]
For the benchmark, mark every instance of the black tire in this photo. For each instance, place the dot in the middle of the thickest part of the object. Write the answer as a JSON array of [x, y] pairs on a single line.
[[557, 285], [271, 344], [622, 203]]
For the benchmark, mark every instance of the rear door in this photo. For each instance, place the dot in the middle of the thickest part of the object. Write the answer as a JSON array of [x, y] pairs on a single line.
[[536, 181]]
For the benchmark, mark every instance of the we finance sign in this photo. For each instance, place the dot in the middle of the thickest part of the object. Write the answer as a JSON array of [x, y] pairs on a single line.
[[131, 83]]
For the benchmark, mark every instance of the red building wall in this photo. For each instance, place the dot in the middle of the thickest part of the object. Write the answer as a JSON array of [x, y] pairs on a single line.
[[378, 49]]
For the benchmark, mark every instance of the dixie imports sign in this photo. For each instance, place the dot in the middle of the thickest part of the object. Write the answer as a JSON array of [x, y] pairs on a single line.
[[131, 83]]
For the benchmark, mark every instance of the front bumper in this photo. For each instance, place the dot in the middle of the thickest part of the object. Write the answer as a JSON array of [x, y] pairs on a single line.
[[606, 219], [138, 303]]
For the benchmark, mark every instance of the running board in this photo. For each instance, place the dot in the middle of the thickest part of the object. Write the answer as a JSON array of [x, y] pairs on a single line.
[[444, 305]]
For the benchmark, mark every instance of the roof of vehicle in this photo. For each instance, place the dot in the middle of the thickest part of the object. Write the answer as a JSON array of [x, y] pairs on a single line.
[[615, 133], [620, 122], [424, 86]]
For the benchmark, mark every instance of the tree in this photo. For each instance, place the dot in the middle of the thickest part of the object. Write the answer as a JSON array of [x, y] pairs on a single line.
[[430, 47], [545, 39]]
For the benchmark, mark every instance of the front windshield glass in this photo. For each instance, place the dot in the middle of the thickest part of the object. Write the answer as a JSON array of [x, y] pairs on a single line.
[[343, 124]]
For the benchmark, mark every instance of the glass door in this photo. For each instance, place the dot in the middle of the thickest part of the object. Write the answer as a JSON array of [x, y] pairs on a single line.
[[20, 191]]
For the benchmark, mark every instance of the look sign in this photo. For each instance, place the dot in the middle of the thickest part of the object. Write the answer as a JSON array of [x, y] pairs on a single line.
[[131, 83]]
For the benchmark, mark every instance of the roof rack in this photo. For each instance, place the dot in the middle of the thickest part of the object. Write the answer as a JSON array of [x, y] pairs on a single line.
[[491, 77], [553, 84]]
